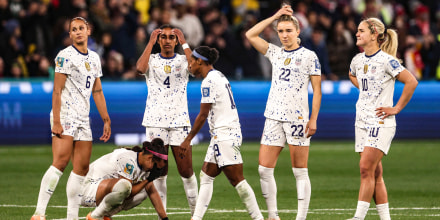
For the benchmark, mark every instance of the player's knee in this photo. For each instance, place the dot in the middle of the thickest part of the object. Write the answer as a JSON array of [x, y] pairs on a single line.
[[366, 171], [205, 179], [265, 172], [123, 187], [378, 174]]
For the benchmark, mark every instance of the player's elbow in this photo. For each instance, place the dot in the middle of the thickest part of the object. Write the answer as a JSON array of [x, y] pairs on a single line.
[[141, 69]]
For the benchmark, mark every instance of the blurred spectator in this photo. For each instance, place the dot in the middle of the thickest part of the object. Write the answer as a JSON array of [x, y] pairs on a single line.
[[247, 58], [16, 71], [155, 20], [189, 24], [340, 47], [241, 8], [317, 44], [425, 31], [221, 38], [114, 66], [2, 68], [124, 30]]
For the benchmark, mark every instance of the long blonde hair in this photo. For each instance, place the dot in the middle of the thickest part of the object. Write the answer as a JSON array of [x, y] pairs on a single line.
[[386, 38], [290, 19]]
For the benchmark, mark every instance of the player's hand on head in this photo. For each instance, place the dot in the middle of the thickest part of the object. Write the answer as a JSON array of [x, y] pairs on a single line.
[[285, 10], [154, 35], [179, 35]]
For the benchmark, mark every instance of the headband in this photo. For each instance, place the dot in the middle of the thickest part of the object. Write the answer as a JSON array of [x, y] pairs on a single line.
[[197, 55], [161, 156]]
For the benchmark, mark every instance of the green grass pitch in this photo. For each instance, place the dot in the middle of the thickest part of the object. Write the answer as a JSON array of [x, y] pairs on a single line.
[[411, 172]]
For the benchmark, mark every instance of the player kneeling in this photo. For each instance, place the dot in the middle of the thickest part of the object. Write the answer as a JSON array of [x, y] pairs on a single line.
[[122, 179]]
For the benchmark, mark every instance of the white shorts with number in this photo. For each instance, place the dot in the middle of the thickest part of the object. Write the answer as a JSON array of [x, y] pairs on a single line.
[[90, 187], [79, 131], [276, 133], [376, 137], [224, 152], [170, 136]]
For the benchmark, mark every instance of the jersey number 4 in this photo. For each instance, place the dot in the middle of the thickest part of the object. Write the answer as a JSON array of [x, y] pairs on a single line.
[[167, 82]]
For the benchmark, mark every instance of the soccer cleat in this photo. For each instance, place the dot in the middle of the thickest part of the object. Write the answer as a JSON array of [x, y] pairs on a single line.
[[89, 217], [38, 217]]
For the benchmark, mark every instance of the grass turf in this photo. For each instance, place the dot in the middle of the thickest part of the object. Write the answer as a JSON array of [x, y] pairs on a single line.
[[411, 173]]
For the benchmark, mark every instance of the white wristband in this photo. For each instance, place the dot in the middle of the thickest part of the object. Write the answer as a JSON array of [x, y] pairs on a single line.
[[185, 46]]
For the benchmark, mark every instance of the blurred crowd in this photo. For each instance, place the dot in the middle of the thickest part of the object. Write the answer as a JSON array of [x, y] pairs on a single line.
[[32, 32]]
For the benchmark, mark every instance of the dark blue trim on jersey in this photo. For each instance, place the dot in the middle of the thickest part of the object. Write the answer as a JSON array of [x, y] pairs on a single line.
[[167, 57], [288, 51], [372, 55], [85, 54]]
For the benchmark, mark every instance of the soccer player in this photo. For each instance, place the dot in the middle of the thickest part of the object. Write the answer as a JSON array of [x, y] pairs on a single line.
[[287, 109], [122, 179], [223, 154], [77, 75], [374, 72], [166, 112]]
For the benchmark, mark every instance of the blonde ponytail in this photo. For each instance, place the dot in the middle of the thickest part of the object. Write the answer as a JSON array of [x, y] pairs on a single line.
[[387, 38]]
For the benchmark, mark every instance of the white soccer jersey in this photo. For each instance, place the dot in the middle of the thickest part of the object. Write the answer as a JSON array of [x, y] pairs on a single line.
[[223, 116], [376, 77], [119, 163], [167, 80], [291, 71], [81, 70]]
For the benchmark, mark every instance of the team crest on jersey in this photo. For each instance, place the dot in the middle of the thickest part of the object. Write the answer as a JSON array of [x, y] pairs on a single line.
[[60, 61], [67, 126], [365, 68], [128, 168], [87, 66], [287, 61], [167, 69], [298, 61], [205, 91], [394, 63], [317, 64]]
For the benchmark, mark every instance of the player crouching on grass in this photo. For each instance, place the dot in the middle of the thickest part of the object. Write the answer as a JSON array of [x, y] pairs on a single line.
[[122, 179]]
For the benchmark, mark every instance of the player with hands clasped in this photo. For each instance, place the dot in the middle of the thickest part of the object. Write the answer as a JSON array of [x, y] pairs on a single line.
[[374, 72], [287, 109], [122, 179], [166, 112], [223, 155], [77, 76]]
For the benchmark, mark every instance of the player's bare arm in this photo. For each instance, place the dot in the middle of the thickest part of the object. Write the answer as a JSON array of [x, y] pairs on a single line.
[[142, 62], [59, 82]]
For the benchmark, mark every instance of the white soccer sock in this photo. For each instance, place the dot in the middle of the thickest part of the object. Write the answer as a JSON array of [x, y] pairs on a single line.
[[129, 203], [362, 209], [303, 190], [247, 196], [161, 186], [384, 211], [269, 190], [48, 185], [121, 190], [205, 195], [73, 192], [190, 186]]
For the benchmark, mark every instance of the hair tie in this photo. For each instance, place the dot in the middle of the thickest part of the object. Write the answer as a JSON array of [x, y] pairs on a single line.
[[161, 156], [197, 55]]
